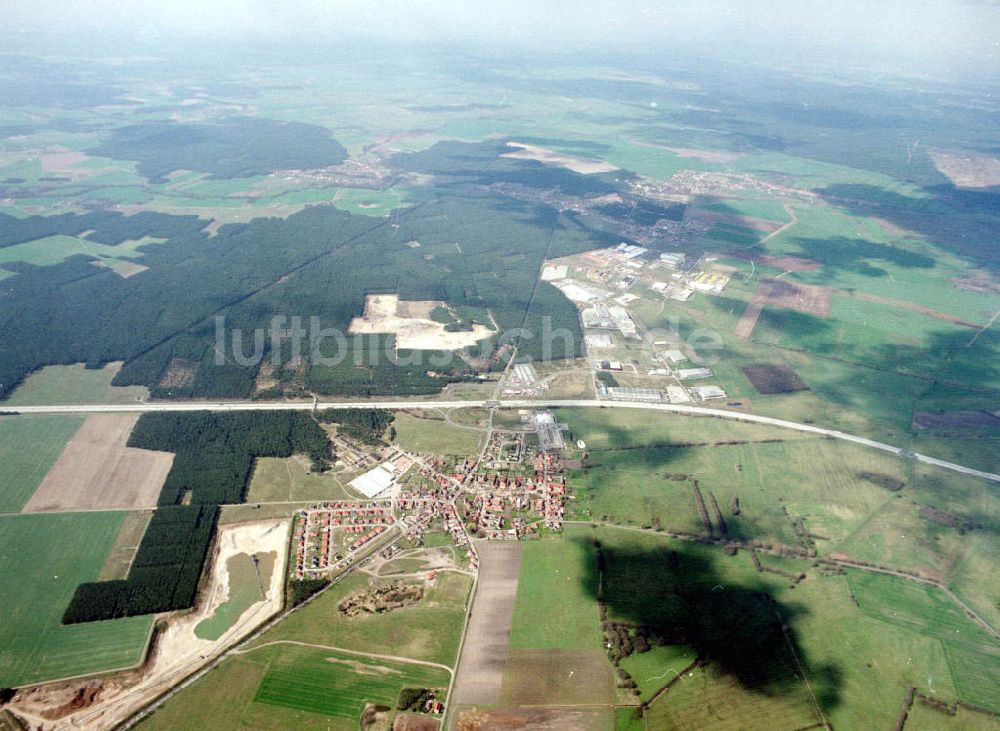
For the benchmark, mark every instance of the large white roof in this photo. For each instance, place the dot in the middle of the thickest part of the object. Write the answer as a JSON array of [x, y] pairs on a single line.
[[373, 482]]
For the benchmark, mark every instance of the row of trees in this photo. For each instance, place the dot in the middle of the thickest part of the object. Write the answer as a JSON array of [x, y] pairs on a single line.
[[164, 574], [213, 459]]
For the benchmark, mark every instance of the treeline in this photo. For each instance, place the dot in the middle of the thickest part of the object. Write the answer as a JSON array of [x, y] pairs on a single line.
[[107, 227], [365, 425], [320, 262], [164, 574], [214, 453], [235, 147], [213, 458]]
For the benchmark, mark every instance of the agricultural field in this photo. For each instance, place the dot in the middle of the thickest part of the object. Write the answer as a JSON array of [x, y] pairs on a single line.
[[74, 384], [428, 630], [859, 674], [555, 607], [288, 479], [29, 446], [45, 557], [96, 470], [429, 433], [280, 686]]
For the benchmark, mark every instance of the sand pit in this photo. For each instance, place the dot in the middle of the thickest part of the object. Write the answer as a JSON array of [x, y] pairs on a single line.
[[968, 169], [410, 322], [582, 165], [96, 471], [179, 652], [479, 679]]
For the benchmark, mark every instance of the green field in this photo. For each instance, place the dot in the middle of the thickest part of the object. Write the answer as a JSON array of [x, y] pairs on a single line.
[[44, 558], [326, 683], [280, 479], [29, 446], [429, 630], [859, 661], [555, 606], [973, 655], [291, 686], [431, 434], [244, 591], [74, 384], [814, 479]]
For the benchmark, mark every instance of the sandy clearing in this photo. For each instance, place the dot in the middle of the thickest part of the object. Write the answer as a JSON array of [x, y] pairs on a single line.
[[179, 652], [479, 678], [967, 169], [384, 314], [58, 159], [96, 471], [126, 269], [713, 156], [582, 165]]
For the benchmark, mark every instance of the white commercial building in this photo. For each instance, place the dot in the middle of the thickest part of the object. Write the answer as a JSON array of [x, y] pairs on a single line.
[[374, 482]]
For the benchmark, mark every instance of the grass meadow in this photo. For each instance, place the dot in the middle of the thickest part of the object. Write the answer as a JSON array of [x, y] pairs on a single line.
[[29, 446], [429, 630], [291, 686], [74, 384], [44, 558]]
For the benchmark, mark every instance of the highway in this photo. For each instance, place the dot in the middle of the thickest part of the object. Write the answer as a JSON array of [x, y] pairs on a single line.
[[183, 406]]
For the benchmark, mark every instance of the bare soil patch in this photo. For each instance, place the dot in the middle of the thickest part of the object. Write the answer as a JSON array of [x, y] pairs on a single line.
[[382, 599], [731, 219], [177, 651], [768, 378], [537, 719], [714, 156], [410, 322], [96, 471], [363, 668], [126, 269], [408, 722], [968, 169], [557, 678], [806, 298], [979, 280], [791, 263], [179, 374], [936, 314], [955, 420], [479, 679], [582, 165]]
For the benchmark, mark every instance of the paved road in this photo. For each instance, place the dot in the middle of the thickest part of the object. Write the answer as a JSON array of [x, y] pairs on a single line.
[[146, 407]]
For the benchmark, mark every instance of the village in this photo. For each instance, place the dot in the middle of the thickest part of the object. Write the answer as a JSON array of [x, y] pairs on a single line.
[[516, 490]]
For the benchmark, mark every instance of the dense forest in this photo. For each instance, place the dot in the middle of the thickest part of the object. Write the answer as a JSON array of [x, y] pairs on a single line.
[[319, 263], [214, 453], [235, 147], [164, 573], [213, 460], [365, 425], [106, 227]]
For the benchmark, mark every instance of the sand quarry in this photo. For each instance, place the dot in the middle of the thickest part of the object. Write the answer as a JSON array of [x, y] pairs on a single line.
[[968, 169], [177, 652], [582, 165], [96, 471], [410, 321]]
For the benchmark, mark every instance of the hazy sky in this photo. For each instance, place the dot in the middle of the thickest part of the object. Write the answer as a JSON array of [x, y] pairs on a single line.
[[938, 30]]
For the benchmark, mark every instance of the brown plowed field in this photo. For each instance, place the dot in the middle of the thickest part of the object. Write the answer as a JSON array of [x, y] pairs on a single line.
[[806, 298], [96, 471], [484, 654]]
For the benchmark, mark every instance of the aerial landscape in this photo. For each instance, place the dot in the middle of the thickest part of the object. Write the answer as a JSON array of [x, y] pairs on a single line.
[[463, 367]]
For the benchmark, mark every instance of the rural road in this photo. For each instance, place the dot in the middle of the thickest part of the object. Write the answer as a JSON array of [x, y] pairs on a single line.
[[181, 406]]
